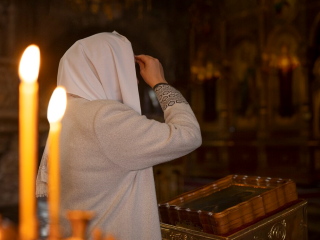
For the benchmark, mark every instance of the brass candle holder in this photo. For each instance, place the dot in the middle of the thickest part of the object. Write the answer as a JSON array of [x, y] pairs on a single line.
[[7, 230], [79, 221]]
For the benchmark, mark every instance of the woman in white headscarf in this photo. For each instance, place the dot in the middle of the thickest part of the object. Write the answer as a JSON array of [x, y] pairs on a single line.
[[107, 148]]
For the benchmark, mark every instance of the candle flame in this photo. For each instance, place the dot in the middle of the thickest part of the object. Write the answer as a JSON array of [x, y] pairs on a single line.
[[57, 105], [29, 64]]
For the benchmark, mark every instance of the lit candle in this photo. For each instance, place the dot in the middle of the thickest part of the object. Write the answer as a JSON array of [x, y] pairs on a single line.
[[56, 109], [28, 141]]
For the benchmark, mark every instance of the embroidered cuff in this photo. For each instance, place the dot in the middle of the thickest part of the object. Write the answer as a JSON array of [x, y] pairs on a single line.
[[154, 87], [168, 96]]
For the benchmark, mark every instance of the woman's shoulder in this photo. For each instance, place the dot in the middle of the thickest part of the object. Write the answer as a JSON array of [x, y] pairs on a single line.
[[77, 102], [82, 111], [80, 104]]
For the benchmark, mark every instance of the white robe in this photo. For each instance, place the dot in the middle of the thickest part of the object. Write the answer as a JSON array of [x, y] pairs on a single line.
[[107, 151]]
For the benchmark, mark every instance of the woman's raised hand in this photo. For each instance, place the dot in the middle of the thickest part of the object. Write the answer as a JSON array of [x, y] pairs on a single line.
[[150, 69]]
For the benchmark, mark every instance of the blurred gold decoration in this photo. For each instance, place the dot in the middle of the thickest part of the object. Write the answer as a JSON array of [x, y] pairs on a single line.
[[97, 235], [95, 6], [207, 71], [108, 11], [7, 230], [79, 221], [111, 8], [285, 63]]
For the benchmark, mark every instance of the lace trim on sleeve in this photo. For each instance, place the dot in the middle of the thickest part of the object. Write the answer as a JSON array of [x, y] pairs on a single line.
[[168, 96]]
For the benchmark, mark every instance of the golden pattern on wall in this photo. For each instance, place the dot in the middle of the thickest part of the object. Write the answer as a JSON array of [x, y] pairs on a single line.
[[244, 88], [286, 81], [206, 75]]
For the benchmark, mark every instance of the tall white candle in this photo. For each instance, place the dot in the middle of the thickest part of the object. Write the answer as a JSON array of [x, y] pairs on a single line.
[[28, 141], [56, 109]]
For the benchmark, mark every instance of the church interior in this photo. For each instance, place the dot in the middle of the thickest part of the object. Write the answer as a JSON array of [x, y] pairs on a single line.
[[249, 69]]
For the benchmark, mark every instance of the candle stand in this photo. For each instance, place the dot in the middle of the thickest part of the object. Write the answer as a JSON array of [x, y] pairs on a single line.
[[79, 221]]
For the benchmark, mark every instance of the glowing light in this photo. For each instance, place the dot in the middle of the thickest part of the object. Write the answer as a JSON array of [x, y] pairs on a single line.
[[28, 139], [57, 105], [30, 64]]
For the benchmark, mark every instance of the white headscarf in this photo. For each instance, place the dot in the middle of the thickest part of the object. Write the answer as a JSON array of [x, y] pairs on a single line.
[[98, 67], [101, 67]]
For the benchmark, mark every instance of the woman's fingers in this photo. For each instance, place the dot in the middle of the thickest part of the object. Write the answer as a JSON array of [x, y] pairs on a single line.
[[141, 64], [161, 70], [144, 58], [150, 69]]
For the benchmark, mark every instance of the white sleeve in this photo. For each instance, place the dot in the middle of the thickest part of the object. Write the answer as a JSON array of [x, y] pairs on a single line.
[[134, 142]]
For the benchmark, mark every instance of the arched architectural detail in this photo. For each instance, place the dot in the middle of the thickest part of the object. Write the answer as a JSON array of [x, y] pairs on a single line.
[[244, 82], [277, 32], [287, 80], [208, 94]]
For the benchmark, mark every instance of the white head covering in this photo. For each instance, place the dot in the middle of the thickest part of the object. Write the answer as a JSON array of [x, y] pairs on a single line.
[[101, 67], [98, 67]]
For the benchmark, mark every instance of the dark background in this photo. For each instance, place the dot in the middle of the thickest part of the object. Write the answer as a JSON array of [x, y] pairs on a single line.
[[250, 70]]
